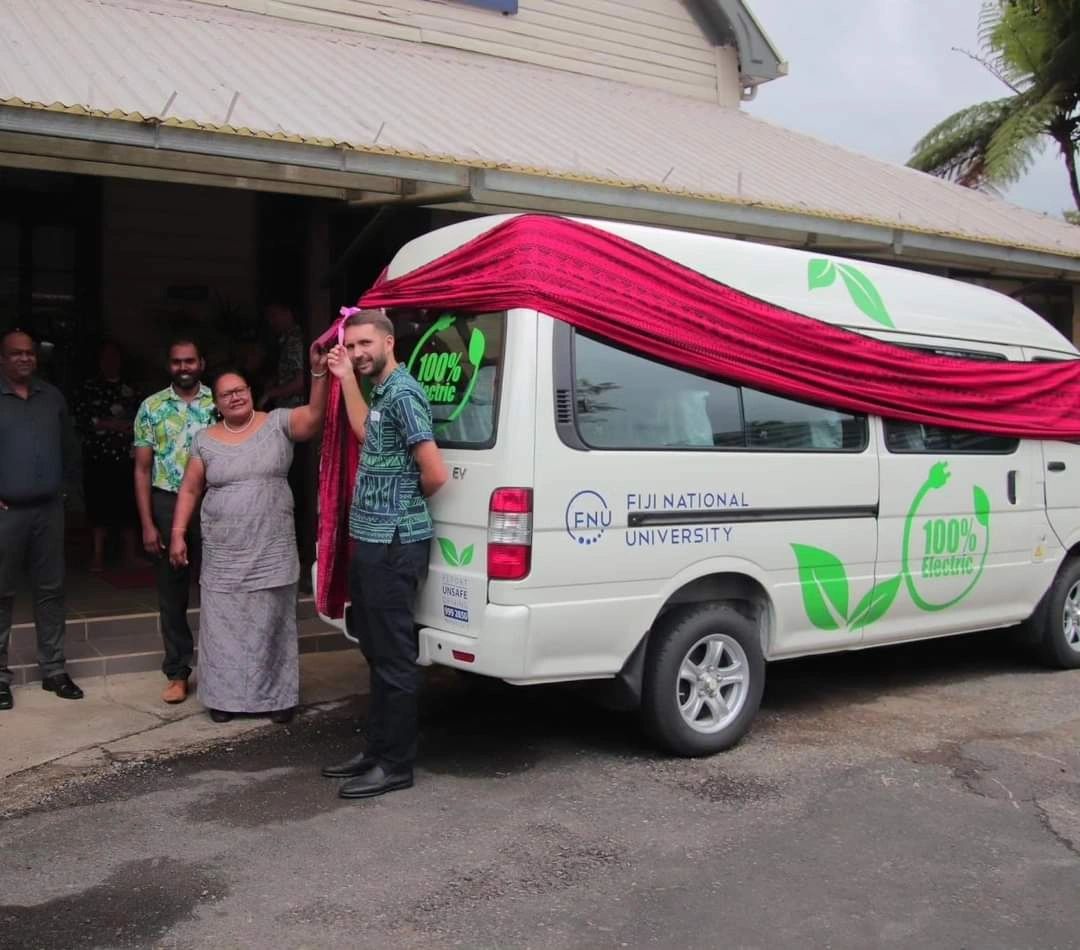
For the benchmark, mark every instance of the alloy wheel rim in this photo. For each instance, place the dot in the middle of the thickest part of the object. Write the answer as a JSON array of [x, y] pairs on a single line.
[[713, 682], [1070, 618]]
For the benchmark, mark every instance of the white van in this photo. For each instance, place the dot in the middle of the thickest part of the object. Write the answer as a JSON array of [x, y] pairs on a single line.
[[610, 517]]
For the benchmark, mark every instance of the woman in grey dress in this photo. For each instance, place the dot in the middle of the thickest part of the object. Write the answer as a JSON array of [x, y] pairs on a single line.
[[247, 628]]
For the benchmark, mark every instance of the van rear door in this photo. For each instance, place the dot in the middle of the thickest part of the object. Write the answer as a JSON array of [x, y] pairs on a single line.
[[463, 361]]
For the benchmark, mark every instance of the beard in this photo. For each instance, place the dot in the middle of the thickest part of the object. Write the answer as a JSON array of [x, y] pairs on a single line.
[[378, 364], [185, 380]]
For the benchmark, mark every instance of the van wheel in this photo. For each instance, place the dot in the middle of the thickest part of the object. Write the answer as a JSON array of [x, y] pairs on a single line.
[[1055, 625], [704, 674]]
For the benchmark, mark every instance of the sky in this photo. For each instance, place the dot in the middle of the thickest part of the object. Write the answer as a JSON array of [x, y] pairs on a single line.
[[875, 75]]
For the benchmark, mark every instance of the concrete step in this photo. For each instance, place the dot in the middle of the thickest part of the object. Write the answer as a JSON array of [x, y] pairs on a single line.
[[88, 627], [131, 643]]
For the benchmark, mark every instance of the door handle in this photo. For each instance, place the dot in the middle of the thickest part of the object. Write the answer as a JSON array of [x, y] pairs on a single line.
[[1011, 486], [1056, 467]]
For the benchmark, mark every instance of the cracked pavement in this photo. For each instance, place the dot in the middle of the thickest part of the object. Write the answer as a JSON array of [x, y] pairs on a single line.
[[925, 795]]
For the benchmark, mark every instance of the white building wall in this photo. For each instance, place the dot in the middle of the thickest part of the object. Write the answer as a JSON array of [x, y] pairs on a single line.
[[654, 43]]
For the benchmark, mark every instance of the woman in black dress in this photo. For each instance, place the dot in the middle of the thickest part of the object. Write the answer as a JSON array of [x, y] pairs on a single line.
[[105, 410]]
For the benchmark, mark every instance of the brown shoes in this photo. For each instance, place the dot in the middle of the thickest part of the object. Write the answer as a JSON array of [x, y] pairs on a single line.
[[175, 692]]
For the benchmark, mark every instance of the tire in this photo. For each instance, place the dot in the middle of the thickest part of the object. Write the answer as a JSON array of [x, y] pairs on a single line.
[[1055, 625], [704, 675]]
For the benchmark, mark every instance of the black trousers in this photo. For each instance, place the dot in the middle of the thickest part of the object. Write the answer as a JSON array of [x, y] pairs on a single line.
[[33, 537], [383, 580], [173, 585]]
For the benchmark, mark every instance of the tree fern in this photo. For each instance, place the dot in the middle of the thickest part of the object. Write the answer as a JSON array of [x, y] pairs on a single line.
[[1033, 47]]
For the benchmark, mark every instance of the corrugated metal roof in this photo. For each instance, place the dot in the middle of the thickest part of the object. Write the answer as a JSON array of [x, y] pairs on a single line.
[[224, 71]]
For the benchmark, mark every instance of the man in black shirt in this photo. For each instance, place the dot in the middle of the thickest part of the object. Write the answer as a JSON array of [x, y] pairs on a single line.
[[36, 462]]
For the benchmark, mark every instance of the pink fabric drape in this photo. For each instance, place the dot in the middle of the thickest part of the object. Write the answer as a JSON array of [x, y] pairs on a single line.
[[337, 472], [634, 297], [611, 287]]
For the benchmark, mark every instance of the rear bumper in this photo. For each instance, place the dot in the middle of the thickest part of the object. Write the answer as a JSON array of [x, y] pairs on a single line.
[[498, 651], [496, 642]]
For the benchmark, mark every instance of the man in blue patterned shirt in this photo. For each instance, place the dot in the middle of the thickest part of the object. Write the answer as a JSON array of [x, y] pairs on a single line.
[[390, 534]]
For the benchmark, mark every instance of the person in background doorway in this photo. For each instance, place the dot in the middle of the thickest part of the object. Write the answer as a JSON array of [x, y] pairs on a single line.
[[164, 427], [287, 392], [37, 463], [252, 359], [248, 645], [390, 534], [105, 412]]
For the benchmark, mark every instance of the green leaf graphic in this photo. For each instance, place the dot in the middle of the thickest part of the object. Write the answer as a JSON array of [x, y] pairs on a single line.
[[466, 556], [822, 576], [477, 346], [876, 602], [982, 506], [865, 295], [449, 552], [821, 273]]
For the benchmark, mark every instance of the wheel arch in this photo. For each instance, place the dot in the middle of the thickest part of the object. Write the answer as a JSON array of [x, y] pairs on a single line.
[[738, 583]]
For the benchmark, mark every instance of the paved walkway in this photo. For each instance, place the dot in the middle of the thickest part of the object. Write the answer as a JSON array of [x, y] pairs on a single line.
[[47, 742]]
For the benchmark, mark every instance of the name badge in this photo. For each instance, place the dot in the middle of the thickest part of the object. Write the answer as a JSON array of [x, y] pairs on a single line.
[[374, 415]]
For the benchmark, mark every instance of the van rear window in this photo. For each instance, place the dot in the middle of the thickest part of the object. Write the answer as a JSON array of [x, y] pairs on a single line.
[[457, 358]]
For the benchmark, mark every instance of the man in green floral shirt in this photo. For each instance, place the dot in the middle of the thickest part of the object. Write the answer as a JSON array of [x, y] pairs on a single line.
[[164, 427]]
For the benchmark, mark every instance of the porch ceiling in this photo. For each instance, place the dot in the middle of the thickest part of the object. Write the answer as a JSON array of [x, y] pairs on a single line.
[[242, 100]]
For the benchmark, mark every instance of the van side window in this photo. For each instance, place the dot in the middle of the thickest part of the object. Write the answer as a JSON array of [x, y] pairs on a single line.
[[626, 401], [774, 422], [914, 437]]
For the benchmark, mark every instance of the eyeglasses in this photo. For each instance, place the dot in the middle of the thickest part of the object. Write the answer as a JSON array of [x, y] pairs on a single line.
[[233, 393]]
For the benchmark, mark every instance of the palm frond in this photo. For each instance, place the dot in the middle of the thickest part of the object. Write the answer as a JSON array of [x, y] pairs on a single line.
[[1033, 46], [1018, 141], [990, 15], [956, 147]]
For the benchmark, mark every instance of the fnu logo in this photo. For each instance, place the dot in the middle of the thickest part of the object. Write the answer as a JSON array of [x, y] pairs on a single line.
[[587, 517]]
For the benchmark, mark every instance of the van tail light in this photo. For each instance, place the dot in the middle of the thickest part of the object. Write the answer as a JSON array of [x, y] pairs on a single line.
[[509, 542]]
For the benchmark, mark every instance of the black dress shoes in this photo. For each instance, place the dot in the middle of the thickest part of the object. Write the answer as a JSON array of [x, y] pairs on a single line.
[[283, 716], [375, 781], [219, 715], [62, 685], [350, 768], [7, 701]]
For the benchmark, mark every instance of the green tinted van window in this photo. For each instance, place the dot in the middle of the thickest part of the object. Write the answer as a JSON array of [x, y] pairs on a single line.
[[457, 358]]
